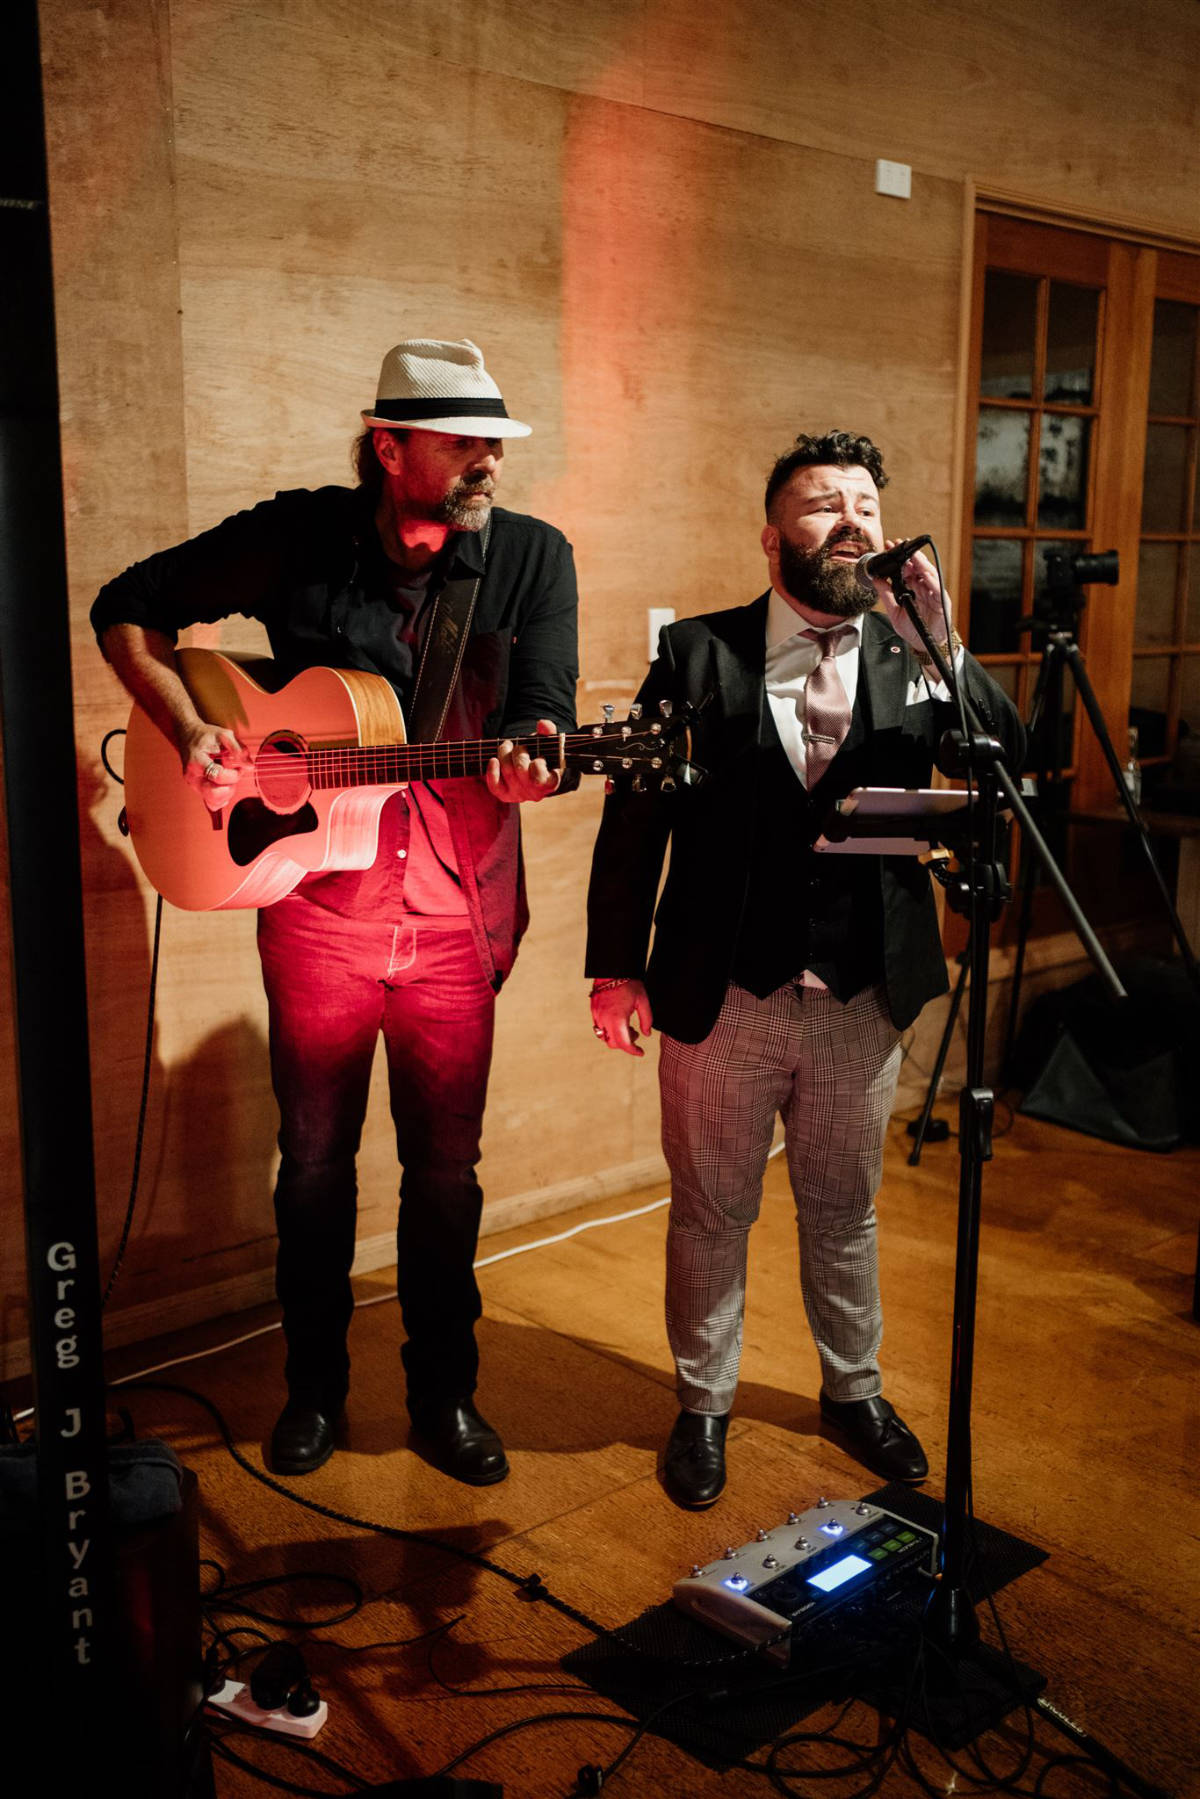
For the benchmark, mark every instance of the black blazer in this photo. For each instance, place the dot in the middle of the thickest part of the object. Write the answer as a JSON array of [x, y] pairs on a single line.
[[723, 654]]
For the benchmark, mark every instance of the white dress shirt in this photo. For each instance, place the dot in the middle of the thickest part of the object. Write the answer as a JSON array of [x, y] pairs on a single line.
[[791, 659]]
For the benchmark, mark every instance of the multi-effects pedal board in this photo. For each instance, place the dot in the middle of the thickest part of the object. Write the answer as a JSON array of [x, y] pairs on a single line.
[[785, 1583]]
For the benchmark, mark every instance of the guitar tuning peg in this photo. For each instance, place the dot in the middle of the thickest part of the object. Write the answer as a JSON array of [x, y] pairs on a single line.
[[610, 785], [635, 711], [665, 708], [638, 784], [608, 709]]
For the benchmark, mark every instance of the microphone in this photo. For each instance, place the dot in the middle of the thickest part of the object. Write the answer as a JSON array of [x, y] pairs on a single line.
[[881, 565]]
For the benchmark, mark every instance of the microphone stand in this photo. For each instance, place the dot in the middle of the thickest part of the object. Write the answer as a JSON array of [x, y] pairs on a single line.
[[979, 889]]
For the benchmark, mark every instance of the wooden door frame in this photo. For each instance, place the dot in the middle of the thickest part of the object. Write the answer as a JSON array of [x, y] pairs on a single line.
[[1130, 281]]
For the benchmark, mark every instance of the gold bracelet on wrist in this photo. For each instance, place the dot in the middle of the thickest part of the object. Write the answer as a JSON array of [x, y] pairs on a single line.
[[607, 986], [945, 650]]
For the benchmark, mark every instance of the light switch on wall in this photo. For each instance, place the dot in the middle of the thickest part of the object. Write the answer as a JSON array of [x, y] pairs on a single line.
[[659, 616], [894, 178]]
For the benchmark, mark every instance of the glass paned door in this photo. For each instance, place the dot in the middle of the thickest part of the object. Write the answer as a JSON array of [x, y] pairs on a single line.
[[1165, 684], [1038, 399]]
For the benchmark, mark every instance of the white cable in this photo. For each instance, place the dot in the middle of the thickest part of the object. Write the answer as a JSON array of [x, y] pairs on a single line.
[[589, 1224], [199, 1355]]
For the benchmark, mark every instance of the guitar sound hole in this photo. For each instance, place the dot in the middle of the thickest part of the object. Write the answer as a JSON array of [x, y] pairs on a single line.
[[253, 828], [281, 772]]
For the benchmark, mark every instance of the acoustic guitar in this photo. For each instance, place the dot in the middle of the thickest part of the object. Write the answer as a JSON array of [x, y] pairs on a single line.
[[324, 754]]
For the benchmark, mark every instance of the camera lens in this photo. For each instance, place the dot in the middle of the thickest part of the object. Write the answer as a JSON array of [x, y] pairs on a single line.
[[1102, 568], [1064, 571]]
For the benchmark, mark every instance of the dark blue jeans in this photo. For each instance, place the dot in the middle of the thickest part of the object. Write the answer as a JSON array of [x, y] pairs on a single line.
[[333, 984]]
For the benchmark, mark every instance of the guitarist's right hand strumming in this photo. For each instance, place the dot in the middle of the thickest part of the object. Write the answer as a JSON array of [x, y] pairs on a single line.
[[210, 755]]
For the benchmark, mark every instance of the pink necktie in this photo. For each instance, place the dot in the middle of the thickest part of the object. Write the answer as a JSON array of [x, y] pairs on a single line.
[[826, 708]]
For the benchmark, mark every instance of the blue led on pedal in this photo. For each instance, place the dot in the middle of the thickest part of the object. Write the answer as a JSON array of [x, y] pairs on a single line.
[[832, 1529], [737, 1583]]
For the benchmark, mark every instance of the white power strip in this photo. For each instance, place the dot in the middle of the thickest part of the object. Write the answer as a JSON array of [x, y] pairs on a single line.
[[234, 1698]]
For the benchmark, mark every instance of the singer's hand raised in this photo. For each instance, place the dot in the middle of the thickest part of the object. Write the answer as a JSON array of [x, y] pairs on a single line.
[[921, 576]]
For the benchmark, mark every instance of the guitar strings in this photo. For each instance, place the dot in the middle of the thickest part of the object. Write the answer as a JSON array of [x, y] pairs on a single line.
[[324, 759]]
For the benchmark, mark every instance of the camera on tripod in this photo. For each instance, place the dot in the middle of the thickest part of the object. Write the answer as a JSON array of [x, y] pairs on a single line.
[[1065, 572], [1058, 604]]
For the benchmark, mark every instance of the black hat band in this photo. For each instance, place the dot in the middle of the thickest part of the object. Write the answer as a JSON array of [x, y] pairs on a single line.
[[457, 408]]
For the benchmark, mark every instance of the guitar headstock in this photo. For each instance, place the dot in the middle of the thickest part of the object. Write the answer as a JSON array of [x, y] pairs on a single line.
[[646, 753]]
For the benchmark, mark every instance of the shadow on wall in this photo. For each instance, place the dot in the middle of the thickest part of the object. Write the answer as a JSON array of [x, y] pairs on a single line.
[[203, 1208]]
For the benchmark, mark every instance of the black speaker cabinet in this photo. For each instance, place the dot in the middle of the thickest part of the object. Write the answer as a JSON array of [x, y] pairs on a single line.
[[149, 1742]]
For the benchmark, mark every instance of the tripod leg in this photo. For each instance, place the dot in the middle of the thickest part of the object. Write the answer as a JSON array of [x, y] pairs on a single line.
[[1088, 695], [956, 999], [1014, 992], [1045, 715]]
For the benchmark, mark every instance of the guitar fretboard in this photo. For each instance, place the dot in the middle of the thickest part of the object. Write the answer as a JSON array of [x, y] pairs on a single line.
[[386, 764], [390, 765]]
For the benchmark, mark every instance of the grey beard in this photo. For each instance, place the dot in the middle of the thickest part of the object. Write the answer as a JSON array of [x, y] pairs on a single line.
[[457, 510], [814, 579]]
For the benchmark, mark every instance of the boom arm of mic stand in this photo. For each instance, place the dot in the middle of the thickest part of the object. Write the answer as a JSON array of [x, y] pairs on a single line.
[[1083, 930]]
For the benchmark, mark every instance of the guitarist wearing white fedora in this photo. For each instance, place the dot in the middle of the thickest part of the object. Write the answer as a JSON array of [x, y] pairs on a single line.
[[468, 612]]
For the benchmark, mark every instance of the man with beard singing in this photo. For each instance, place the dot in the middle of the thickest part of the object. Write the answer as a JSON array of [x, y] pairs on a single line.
[[781, 978]]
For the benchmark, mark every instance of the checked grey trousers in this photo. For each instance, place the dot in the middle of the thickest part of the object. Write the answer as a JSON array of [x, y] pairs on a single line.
[[830, 1071]]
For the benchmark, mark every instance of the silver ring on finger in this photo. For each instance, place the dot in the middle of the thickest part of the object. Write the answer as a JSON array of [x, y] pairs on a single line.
[[213, 771], [598, 1030]]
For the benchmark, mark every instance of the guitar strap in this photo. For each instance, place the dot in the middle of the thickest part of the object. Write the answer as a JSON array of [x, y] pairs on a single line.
[[442, 652]]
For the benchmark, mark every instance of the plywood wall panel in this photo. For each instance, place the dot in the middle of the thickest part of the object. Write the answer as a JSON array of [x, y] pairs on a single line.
[[1093, 108], [317, 233], [107, 79], [594, 49], [708, 316], [568, 1108]]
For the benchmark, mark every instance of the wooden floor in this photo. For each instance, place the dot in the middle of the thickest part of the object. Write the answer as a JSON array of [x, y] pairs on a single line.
[[1085, 1443]]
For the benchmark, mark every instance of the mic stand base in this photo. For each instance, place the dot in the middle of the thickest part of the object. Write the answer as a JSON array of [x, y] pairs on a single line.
[[950, 1622], [962, 1696]]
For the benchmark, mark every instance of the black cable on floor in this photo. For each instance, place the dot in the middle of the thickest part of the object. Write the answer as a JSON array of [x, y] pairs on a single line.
[[219, 1742], [143, 1108], [530, 1586]]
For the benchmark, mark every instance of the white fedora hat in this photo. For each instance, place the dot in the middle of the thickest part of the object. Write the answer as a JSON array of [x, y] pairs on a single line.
[[434, 386]]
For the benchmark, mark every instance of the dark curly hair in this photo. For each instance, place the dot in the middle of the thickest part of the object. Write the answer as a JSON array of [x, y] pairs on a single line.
[[840, 449]]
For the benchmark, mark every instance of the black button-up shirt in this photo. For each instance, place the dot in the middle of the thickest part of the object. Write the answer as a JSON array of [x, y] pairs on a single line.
[[309, 566]]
